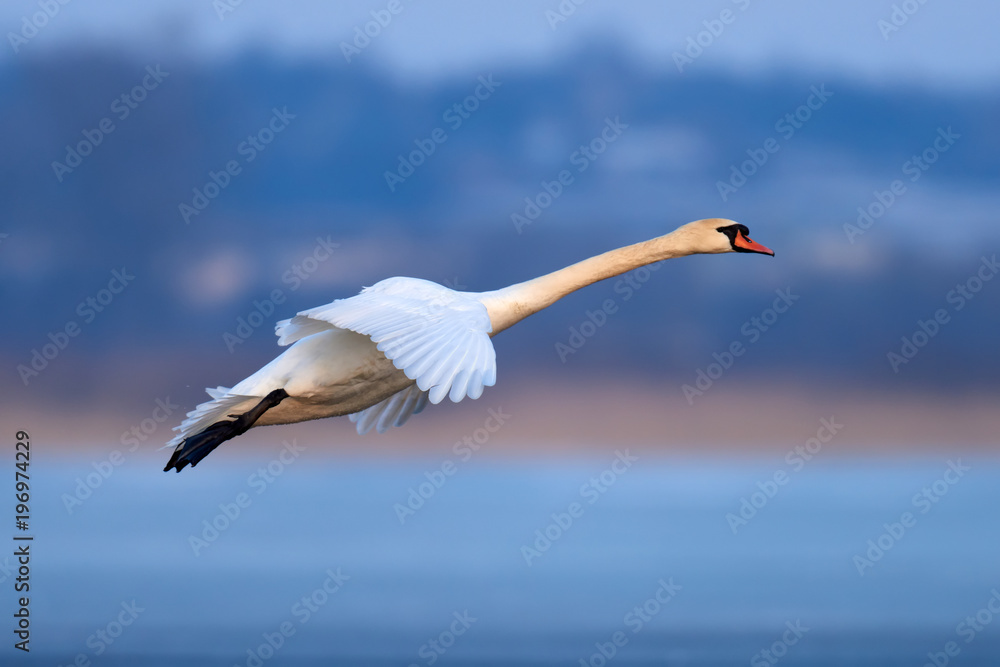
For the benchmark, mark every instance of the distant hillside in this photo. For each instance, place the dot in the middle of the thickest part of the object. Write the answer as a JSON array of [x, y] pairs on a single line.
[[215, 181]]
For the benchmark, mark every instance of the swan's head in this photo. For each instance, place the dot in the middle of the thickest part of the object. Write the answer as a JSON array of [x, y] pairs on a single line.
[[716, 235]]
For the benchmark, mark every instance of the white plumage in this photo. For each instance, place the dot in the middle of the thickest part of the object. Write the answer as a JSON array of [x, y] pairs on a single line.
[[438, 337], [393, 411], [382, 355]]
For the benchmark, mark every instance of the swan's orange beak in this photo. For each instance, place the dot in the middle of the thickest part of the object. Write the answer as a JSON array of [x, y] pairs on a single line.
[[750, 245]]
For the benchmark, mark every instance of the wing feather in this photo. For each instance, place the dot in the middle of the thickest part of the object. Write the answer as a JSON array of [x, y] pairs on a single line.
[[393, 411], [435, 335]]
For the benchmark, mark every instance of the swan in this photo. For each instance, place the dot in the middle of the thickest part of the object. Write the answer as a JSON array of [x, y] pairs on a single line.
[[382, 355]]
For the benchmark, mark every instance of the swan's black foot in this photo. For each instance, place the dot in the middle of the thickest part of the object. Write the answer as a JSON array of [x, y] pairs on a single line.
[[196, 447]]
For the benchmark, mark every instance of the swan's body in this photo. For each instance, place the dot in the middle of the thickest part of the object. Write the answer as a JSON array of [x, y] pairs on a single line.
[[382, 355]]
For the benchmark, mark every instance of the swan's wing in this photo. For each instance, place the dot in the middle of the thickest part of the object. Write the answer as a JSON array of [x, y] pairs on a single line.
[[223, 405], [393, 411], [438, 337]]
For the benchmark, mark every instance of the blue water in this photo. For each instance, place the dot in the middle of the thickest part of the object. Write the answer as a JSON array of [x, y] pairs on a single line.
[[461, 553]]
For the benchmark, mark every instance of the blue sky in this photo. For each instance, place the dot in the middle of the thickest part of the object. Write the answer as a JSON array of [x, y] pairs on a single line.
[[940, 44]]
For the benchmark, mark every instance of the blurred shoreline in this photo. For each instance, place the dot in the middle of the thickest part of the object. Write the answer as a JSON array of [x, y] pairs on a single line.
[[563, 417]]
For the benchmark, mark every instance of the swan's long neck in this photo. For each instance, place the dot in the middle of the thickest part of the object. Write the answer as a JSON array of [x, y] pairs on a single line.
[[512, 304]]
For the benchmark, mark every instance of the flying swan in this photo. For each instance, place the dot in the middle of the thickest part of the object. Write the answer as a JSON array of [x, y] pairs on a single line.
[[380, 356]]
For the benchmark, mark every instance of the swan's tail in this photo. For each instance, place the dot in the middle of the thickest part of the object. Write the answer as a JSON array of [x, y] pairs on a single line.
[[212, 423]]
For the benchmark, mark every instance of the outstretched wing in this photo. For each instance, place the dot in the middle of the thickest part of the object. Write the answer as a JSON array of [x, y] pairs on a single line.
[[438, 337], [393, 411]]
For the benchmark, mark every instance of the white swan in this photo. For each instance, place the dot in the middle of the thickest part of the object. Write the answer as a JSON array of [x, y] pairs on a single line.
[[382, 355]]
